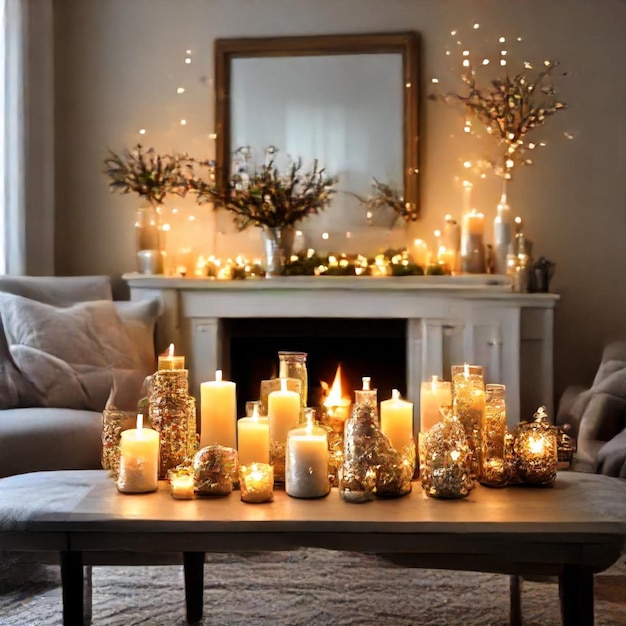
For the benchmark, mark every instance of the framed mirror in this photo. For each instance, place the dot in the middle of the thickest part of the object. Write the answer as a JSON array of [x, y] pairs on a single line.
[[349, 101]]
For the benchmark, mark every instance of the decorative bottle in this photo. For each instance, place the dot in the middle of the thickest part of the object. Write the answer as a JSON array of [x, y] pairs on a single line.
[[173, 415], [293, 365], [502, 234]]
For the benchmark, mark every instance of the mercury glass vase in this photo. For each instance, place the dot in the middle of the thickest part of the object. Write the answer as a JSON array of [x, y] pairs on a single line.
[[277, 246]]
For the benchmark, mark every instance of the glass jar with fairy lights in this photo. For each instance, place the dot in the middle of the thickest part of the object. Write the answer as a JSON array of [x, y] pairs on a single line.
[[494, 471], [535, 451], [173, 415], [468, 405]]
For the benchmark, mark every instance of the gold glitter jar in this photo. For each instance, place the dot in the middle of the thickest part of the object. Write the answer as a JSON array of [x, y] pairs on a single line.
[[535, 452], [447, 461], [215, 470], [494, 471], [173, 415], [256, 482], [468, 405]]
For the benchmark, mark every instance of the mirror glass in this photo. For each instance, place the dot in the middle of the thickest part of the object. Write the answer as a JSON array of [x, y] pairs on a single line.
[[350, 103]]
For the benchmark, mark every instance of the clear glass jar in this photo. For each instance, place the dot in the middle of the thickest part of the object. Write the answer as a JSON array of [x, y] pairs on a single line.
[[293, 365], [367, 397], [173, 415], [468, 405], [535, 450], [494, 471]]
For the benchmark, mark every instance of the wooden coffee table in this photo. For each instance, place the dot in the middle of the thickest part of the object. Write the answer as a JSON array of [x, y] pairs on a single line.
[[573, 530]]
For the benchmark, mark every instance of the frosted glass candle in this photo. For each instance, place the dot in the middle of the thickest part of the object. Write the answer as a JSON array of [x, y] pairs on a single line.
[[434, 394], [253, 439], [182, 487], [218, 407], [283, 411], [139, 459], [396, 420], [306, 465], [170, 361]]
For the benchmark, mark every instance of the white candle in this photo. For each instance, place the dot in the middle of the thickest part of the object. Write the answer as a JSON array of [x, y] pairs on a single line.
[[396, 420], [139, 459], [253, 439], [283, 411], [433, 395], [218, 409], [306, 471], [171, 362], [182, 487]]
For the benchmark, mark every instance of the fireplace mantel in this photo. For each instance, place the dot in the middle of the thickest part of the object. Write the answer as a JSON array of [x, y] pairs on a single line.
[[474, 319]]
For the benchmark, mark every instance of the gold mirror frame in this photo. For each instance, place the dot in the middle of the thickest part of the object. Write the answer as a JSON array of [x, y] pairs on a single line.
[[406, 44]]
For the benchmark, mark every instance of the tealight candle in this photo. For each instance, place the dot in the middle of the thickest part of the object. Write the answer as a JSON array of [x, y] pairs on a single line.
[[139, 459], [253, 438], [171, 362], [396, 420], [218, 410], [182, 487], [256, 482]]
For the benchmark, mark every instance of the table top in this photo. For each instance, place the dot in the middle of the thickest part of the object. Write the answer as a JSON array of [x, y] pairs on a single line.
[[580, 519]]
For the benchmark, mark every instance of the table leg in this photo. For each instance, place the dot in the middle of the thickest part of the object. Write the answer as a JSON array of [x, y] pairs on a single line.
[[515, 587], [72, 581], [194, 585], [576, 593]]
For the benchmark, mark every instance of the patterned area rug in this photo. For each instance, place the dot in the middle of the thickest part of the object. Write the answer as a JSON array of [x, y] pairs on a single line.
[[307, 587]]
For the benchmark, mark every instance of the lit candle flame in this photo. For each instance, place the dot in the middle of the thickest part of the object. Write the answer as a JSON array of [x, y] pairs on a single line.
[[366, 383], [434, 382], [535, 445], [170, 350], [395, 394], [218, 376], [255, 413], [283, 384], [466, 370], [139, 421]]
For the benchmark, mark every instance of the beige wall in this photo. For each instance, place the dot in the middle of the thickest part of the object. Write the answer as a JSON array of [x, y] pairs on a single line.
[[119, 62]]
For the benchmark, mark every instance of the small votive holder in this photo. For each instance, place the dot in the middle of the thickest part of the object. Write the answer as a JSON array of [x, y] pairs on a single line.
[[256, 482], [182, 487]]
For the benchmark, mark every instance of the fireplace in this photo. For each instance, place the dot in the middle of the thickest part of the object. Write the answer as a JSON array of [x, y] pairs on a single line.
[[443, 320], [363, 347]]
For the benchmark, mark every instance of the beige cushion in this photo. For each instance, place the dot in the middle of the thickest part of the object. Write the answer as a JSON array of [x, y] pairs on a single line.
[[68, 354], [140, 318]]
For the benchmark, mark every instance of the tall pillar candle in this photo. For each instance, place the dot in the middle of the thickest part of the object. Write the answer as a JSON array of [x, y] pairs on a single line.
[[218, 409], [253, 439], [139, 459], [472, 243], [283, 411], [502, 234], [396, 420], [434, 394]]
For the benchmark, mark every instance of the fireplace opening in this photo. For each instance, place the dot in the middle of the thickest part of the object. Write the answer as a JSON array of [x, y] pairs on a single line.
[[363, 347]]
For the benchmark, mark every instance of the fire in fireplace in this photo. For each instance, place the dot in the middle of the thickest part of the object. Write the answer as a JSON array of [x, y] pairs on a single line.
[[363, 347]]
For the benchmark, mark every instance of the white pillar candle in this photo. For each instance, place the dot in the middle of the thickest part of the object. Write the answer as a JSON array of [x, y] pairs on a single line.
[[171, 362], [283, 411], [218, 407], [396, 420], [433, 395], [139, 459], [306, 471], [253, 439]]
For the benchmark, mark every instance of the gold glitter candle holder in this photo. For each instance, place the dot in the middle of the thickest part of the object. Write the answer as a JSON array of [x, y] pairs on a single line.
[[333, 419], [535, 451], [447, 461], [256, 482], [468, 405], [173, 415], [215, 470], [494, 472]]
